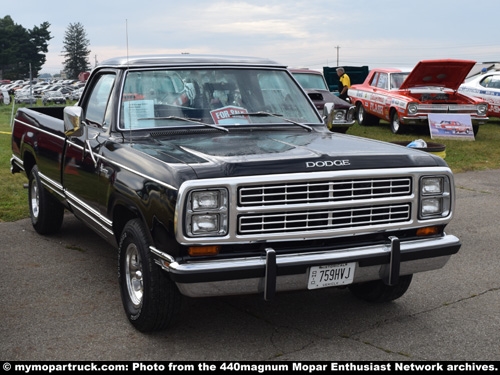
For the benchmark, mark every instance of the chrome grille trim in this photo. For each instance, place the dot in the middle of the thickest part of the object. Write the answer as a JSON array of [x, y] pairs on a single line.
[[447, 108], [352, 208]]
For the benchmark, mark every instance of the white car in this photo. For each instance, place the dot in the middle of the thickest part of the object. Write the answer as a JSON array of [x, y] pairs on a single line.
[[487, 87]]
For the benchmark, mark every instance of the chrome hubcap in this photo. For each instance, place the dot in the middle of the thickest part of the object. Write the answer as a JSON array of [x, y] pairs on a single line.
[[133, 274], [360, 114], [395, 123], [35, 200]]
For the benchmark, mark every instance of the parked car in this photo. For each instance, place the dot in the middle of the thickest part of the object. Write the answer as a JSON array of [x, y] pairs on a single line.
[[4, 96], [216, 176], [66, 91], [53, 97], [487, 87], [25, 98], [407, 98], [338, 113], [75, 94]]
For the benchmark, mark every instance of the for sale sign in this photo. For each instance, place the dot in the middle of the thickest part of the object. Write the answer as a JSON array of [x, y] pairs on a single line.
[[230, 115]]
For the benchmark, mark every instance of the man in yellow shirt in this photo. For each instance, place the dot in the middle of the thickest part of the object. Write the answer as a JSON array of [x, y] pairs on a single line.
[[345, 81]]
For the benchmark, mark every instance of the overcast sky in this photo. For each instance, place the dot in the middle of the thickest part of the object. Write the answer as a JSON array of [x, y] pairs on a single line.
[[298, 33]]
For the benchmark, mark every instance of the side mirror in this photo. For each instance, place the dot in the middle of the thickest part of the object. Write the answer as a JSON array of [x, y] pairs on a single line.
[[72, 121], [329, 114], [338, 119]]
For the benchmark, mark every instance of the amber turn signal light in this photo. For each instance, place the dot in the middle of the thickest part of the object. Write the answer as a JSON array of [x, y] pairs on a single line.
[[203, 250], [427, 231]]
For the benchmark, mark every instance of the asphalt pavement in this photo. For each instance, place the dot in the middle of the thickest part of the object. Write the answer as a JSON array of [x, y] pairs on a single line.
[[62, 303]]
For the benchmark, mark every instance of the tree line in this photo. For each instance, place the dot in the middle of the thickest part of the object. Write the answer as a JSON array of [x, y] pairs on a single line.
[[22, 49]]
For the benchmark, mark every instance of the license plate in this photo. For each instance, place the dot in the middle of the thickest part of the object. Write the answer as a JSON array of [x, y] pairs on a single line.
[[331, 275]]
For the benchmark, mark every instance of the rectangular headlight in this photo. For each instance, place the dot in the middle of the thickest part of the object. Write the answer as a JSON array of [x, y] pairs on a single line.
[[431, 206], [205, 200], [432, 185], [435, 197], [202, 224], [207, 213]]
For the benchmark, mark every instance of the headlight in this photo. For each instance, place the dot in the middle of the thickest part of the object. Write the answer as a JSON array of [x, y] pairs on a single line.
[[432, 185], [431, 206], [339, 115], [206, 213], [205, 200], [482, 109], [351, 113], [435, 197], [412, 108]]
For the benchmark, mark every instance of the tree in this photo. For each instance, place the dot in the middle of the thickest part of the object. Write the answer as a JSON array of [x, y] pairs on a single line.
[[20, 48], [75, 50]]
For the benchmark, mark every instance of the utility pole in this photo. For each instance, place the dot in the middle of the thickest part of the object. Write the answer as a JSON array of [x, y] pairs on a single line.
[[338, 47]]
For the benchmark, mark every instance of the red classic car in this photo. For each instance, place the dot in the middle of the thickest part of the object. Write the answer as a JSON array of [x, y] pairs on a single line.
[[407, 98], [454, 127]]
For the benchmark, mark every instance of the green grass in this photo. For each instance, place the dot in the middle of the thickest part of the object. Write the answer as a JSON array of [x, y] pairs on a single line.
[[461, 156], [13, 196], [481, 154]]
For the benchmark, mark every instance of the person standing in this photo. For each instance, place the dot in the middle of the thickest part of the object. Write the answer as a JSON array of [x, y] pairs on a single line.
[[345, 81]]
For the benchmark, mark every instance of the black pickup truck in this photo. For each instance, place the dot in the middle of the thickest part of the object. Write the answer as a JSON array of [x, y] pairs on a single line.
[[217, 176]]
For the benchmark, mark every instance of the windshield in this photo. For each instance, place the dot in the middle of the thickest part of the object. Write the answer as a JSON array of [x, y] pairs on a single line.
[[166, 98], [311, 81], [397, 79]]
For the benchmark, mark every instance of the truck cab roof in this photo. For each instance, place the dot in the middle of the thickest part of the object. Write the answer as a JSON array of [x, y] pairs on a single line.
[[186, 59]]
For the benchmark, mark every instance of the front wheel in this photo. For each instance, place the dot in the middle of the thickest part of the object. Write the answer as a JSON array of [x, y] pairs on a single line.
[[150, 299], [377, 291], [45, 211], [395, 123]]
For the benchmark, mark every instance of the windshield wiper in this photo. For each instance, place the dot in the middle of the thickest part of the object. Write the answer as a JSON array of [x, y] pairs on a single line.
[[265, 114], [184, 119]]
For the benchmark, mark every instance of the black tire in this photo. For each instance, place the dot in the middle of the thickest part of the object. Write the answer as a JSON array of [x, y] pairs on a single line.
[[377, 291], [45, 211], [364, 118], [395, 123], [150, 299]]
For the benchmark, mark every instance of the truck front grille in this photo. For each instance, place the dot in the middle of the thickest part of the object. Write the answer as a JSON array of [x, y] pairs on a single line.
[[323, 205]]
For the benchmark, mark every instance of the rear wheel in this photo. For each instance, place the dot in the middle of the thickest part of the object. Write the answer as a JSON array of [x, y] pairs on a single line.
[[377, 291], [150, 299], [363, 117], [45, 211]]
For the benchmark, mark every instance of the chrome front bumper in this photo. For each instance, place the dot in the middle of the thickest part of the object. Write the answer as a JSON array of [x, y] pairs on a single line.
[[274, 272], [424, 120]]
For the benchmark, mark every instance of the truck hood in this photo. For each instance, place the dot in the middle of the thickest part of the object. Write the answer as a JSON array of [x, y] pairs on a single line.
[[251, 153], [438, 73]]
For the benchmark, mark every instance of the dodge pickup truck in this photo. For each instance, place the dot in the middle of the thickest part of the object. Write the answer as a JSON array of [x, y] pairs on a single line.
[[217, 176]]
